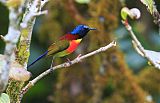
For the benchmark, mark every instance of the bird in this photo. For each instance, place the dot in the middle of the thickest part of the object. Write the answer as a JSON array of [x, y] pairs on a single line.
[[66, 44]]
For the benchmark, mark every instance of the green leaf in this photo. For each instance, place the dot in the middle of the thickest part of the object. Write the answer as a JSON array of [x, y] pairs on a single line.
[[124, 13], [150, 5], [83, 1], [4, 98]]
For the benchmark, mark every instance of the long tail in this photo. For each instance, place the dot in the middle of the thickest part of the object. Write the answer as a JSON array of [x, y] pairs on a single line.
[[40, 57]]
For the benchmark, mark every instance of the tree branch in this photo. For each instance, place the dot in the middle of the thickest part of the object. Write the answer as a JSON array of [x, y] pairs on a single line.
[[33, 10], [26, 24], [152, 56], [66, 64], [11, 39]]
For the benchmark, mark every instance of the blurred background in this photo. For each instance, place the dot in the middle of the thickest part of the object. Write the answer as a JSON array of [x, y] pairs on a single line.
[[119, 75]]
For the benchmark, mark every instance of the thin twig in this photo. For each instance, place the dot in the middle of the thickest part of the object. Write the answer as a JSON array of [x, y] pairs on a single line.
[[129, 28], [66, 64], [139, 48]]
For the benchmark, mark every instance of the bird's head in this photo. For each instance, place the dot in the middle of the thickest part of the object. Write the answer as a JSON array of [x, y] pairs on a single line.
[[81, 30]]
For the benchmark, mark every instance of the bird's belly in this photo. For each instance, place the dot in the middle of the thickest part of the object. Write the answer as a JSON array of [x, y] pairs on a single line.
[[73, 45]]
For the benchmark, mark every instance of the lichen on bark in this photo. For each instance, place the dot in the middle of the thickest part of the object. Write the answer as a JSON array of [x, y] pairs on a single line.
[[27, 23]]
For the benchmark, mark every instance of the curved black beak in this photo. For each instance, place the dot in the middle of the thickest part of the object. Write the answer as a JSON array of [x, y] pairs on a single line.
[[92, 29]]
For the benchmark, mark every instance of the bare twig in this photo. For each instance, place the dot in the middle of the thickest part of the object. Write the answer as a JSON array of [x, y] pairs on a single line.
[[154, 58], [129, 28], [66, 64]]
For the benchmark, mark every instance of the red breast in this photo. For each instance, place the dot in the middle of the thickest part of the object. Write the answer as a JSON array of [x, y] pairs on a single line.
[[73, 45]]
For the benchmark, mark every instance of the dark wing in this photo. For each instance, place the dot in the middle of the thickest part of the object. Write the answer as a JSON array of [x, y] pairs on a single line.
[[58, 47]]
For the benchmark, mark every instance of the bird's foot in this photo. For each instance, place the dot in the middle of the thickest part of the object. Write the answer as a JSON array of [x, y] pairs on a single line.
[[69, 61], [79, 57], [52, 64]]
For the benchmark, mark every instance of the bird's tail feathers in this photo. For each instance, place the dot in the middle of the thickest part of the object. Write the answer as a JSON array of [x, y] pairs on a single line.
[[40, 57]]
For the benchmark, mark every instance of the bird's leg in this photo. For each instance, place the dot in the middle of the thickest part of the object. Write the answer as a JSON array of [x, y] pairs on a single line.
[[51, 64], [79, 55], [69, 61]]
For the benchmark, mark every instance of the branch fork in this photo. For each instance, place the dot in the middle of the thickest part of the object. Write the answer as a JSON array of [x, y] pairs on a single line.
[[152, 56], [34, 10]]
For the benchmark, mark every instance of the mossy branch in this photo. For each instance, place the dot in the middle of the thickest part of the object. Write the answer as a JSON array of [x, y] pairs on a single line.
[[33, 9], [11, 39], [64, 65]]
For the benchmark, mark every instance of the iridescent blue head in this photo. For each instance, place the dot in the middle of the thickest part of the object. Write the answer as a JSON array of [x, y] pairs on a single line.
[[81, 30]]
